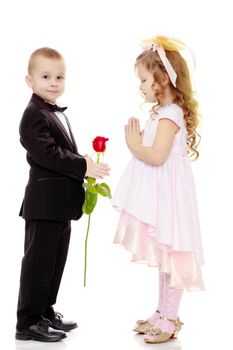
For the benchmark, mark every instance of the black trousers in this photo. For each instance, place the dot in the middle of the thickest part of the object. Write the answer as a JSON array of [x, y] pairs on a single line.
[[45, 252]]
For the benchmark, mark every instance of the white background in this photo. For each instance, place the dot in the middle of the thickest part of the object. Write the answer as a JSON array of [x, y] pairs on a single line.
[[100, 41]]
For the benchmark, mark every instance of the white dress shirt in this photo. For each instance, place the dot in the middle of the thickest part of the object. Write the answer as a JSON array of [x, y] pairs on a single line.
[[62, 119]]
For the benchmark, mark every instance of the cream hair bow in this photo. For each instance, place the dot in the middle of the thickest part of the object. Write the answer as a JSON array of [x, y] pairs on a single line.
[[149, 45]]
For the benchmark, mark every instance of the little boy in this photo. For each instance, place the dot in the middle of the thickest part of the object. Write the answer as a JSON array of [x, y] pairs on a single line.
[[53, 197]]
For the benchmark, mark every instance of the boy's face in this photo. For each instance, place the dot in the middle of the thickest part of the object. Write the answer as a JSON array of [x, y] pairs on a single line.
[[47, 78]]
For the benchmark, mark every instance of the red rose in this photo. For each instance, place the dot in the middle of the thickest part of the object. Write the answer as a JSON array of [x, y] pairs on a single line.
[[99, 143], [92, 190]]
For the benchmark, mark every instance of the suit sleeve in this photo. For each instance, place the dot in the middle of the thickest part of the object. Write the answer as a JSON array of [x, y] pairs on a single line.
[[36, 137]]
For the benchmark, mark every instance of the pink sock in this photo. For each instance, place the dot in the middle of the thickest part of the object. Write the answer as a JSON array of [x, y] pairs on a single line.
[[154, 318], [170, 307]]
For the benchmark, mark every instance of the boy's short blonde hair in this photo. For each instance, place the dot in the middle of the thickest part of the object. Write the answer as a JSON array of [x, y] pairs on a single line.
[[44, 52]]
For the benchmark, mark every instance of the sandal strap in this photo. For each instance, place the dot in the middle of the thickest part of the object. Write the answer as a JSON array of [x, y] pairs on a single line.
[[165, 318], [139, 322], [154, 331]]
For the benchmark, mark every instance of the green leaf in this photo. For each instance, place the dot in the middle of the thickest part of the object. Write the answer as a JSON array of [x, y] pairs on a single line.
[[90, 188], [91, 180], [104, 190], [90, 202], [85, 209]]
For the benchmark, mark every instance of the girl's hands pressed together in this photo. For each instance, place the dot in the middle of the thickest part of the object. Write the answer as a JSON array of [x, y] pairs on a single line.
[[133, 136]]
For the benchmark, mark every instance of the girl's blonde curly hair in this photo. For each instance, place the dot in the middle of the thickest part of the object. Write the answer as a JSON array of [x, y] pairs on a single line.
[[183, 94]]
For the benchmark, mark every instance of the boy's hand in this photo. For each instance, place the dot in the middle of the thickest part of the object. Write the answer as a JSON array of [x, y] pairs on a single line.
[[96, 170]]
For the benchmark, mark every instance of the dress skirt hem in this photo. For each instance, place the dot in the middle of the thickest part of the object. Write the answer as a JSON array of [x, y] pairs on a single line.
[[183, 266]]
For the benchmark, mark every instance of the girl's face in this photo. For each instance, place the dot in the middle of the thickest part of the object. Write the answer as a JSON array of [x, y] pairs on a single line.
[[147, 81]]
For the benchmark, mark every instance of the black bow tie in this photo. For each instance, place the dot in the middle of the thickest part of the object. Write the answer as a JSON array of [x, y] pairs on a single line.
[[56, 108]]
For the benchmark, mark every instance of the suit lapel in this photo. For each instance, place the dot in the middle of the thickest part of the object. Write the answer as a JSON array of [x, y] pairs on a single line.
[[61, 126], [71, 134]]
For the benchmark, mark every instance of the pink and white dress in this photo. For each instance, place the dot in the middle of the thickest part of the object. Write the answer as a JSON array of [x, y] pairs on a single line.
[[159, 221]]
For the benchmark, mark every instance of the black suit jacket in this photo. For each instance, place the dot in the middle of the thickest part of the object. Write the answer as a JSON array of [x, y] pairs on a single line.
[[54, 190]]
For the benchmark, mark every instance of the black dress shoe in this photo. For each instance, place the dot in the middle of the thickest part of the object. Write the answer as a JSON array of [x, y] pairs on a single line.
[[58, 323], [41, 332]]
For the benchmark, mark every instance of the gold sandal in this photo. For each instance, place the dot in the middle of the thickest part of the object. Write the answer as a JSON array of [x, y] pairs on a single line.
[[156, 336], [143, 326]]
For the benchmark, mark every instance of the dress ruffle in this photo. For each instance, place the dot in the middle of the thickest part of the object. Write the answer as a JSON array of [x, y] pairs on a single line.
[[183, 267]]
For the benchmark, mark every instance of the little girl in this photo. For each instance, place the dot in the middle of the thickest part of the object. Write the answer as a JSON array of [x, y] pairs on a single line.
[[156, 195]]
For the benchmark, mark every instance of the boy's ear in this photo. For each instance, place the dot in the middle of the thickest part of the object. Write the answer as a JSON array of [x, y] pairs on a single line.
[[28, 80]]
